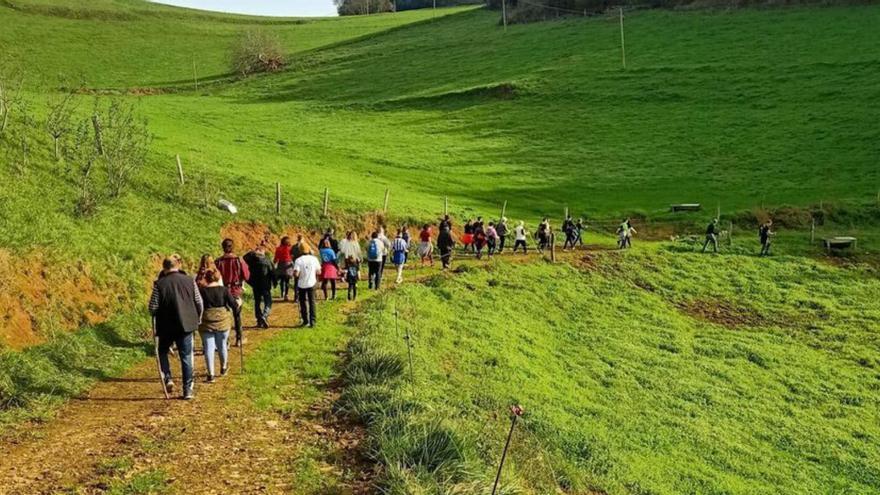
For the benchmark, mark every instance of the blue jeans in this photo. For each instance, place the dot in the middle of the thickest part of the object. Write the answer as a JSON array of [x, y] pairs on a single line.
[[185, 351], [213, 342], [262, 304]]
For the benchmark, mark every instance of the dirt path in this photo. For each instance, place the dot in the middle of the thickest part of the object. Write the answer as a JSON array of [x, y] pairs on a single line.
[[124, 437]]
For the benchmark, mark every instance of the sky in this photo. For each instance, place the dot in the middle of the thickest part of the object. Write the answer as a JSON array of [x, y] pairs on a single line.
[[297, 8]]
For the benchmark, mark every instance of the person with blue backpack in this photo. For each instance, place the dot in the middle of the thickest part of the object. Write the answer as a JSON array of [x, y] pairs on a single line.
[[329, 268], [399, 248], [375, 254]]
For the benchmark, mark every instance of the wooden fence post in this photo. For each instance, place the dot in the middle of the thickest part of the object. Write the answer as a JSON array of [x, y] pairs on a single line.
[[813, 231], [326, 199], [387, 193], [730, 235], [277, 198], [504, 209], [446, 205], [179, 171], [622, 41], [553, 247]]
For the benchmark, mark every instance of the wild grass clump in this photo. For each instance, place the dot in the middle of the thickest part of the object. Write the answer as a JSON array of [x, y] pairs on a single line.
[[633, 380]]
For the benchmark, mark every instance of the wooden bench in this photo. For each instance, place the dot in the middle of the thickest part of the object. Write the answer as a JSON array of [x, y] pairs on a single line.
[[832, 243], [686, 207]]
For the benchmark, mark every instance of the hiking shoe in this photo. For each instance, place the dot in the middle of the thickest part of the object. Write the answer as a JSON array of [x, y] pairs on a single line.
[[209, 379], [169, 386], [189, 395], [224, 370]]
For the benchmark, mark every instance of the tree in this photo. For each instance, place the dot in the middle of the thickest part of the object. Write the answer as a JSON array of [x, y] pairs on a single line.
[[125, 141], [363, 7], [11, 82], [80, 154], [59, 120], [257, 51]]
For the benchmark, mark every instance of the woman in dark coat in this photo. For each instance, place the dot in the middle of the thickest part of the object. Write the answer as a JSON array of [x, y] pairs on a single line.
[[445, 243]]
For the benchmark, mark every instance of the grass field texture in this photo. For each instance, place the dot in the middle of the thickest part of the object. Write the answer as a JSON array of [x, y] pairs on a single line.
[[640, 373]]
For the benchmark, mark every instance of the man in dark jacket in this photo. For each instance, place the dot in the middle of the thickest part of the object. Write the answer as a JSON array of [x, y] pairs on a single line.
[[177, 308], [445, 243], [502, 231], [262, 279], [712, 236]]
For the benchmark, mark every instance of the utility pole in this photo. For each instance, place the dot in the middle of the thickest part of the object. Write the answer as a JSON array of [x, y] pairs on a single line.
[[622, 40]]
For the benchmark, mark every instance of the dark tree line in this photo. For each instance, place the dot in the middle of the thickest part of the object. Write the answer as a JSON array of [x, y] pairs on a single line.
[[367, 7]]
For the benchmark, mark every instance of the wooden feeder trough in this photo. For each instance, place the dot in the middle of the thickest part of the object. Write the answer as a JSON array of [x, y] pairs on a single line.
[[685, 207], [833, 243]]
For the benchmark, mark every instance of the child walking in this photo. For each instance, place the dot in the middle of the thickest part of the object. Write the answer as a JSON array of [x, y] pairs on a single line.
[[352, 273]]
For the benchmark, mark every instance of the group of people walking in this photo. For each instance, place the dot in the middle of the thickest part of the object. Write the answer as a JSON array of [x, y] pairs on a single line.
[[211, 301]]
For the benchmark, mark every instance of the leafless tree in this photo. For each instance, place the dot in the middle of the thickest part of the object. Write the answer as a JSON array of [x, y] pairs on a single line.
[[11, 83], [59, 120], [257, 51], [125, 142], [81, 157]]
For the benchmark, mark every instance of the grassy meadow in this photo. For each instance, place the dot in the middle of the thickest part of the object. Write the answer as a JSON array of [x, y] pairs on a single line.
[[647, 372], [655, 371]]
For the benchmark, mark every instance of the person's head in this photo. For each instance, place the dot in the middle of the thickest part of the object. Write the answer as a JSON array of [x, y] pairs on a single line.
[[521, 223], [349, 235], [306, 249], [479, 219], [285, 241], [446, 217], [469, 221], [382, 230], [330, 232], [491, 224], [503, 219], [544, 220], [714, 220], [770, 222], [211, 276], [171, 263], [261, 248], [375, 235], [399, 233], [426, 227], [227, 245], [326, 243], [351, 261], [206, 262], [299, 238]]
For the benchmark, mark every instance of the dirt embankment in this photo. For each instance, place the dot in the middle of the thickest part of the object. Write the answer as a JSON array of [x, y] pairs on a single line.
[[42, 292]]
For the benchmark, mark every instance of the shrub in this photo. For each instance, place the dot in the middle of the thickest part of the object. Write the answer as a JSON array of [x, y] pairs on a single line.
[[257, 51]]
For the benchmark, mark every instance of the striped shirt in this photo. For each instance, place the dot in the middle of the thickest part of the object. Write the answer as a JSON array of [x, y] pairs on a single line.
[[399, 245]]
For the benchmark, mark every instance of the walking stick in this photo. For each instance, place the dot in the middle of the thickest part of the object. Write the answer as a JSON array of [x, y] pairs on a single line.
[[158, 362], [517, 411]]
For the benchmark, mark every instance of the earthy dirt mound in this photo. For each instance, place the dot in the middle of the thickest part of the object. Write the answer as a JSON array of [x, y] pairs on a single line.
[[723, 313], [41, 293]]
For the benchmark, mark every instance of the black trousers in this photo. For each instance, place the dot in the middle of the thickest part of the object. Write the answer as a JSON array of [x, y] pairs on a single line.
[[445, 256], [375, 274], [307, 305], [518, 244]]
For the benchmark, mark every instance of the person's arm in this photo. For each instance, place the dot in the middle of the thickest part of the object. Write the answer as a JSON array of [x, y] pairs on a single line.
[[200, 305], [245, 270], [154, 301], [229, 301], [318, 265]]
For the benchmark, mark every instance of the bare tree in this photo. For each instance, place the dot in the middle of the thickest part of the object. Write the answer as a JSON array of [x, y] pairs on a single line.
[[125, 142], [59, 120], [11, 82], [257, 51], [81, 156]]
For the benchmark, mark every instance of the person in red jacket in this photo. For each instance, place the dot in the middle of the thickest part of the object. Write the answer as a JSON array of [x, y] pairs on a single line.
[[234, 272], [284, 266]]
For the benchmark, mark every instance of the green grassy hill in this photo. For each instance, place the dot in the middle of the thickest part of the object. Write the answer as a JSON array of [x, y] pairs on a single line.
[[635, 381], [133, 43], [648, 373]]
